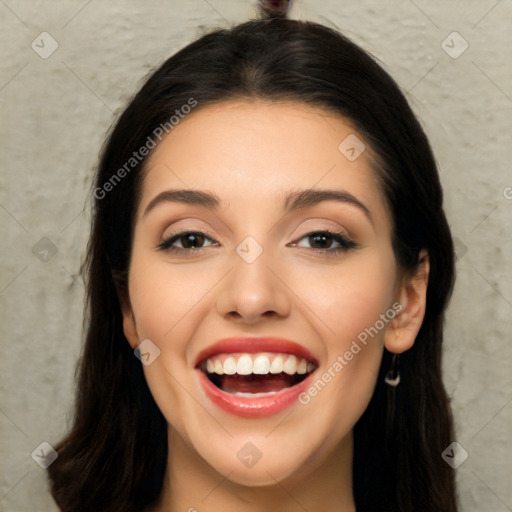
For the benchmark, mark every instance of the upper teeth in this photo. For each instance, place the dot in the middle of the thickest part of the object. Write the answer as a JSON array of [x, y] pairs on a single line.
[[258, 364]]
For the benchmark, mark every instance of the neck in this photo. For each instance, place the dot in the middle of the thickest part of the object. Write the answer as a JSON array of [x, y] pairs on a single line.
[[190, 484]]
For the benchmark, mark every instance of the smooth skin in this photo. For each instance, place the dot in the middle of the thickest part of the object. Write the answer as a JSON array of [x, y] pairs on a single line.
[[250, 154]]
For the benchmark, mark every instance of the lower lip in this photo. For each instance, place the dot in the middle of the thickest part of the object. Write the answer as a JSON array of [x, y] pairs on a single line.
[[256, 407]]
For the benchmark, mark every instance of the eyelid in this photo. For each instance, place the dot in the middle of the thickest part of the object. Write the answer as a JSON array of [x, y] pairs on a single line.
[[186, 224]]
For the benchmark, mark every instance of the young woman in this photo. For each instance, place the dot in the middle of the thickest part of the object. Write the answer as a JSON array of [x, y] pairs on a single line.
[[267, 275]]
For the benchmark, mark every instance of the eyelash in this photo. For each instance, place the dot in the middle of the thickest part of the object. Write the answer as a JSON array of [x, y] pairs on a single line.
[[345, 243]]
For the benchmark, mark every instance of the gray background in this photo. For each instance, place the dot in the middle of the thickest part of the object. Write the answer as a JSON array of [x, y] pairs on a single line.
[[56, 110]]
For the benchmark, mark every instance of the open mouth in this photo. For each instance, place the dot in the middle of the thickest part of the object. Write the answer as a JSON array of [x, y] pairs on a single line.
[[254, 375]]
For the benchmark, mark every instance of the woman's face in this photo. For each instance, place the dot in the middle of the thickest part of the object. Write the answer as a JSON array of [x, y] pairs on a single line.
[[239, 254]]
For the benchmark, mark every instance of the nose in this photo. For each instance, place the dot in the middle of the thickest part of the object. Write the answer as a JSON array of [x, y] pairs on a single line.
[[253, 291]]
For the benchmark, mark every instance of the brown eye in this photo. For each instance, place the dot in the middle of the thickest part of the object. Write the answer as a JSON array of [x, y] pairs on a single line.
[[320, 241], [188, 240], [192, 240], [326, 242]]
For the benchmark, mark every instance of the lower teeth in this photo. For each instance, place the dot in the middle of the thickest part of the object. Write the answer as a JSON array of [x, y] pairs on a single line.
[[256, 385], [253, 395]]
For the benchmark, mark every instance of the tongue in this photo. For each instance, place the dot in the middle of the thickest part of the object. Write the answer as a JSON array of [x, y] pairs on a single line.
[[255, 383]]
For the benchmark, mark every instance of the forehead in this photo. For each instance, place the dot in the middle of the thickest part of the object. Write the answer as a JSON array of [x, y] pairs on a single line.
[[247, 150]]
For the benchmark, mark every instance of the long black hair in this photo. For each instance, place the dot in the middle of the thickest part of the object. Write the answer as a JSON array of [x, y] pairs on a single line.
[[115, 454]]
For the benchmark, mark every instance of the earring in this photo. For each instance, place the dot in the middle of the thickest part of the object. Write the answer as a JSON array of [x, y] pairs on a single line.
[[393, 375], [275, 8]]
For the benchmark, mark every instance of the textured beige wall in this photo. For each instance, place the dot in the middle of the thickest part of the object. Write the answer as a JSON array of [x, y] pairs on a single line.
[[56, 110]]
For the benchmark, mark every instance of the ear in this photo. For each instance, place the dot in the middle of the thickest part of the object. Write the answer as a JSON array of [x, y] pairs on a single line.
[[412, 296], [129, 326]]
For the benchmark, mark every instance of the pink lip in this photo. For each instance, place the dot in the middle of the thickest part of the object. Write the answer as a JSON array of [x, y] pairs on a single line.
[[256, 407], [260, 406], [253, 346]]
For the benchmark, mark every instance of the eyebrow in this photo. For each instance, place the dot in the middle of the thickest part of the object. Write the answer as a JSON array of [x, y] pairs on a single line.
[[295, 200]]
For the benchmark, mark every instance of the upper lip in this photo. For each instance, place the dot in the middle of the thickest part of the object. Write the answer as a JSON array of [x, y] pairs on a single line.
[[254, 345]]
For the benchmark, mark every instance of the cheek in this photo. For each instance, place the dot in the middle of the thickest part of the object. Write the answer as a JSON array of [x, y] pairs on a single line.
[[163, 295], [351, 298], [351, 304], [166, 301]]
